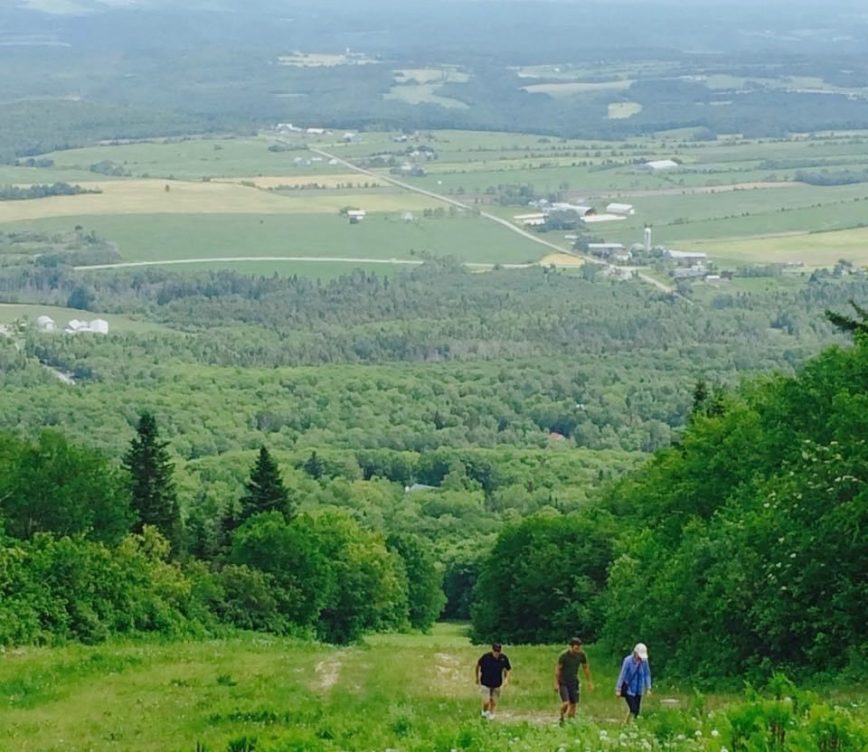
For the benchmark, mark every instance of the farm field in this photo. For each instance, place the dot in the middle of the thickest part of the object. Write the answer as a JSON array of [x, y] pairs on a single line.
[[124, 197], [410, 692], [737, 199], [160, 237], [811, 249]]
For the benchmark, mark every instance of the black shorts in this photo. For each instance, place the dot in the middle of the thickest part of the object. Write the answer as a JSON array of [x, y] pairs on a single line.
[[633, 702], [569, 693]]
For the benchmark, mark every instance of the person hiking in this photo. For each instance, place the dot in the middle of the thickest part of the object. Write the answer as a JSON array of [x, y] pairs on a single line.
[[567, 677], [634, 679], [492, 674]]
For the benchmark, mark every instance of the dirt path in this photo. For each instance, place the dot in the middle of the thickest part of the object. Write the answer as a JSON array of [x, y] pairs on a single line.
[[311, 259], [327, 674]]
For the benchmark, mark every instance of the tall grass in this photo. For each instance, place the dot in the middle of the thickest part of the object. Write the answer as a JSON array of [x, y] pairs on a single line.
[[398, 692]]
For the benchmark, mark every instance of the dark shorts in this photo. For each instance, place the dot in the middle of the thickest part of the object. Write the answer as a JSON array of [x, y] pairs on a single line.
[[633, 702], [569, 693]]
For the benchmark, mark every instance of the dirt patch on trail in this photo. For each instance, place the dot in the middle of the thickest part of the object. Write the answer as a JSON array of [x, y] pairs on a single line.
[[327, 674], [451, 675]]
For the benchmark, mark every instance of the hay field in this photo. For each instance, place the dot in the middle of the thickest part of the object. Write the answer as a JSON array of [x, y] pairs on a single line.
[[326, 181], [623, 110], [196, 158], [816, 249], [561, 260], [570, 88], [152, 197], [423, 94]]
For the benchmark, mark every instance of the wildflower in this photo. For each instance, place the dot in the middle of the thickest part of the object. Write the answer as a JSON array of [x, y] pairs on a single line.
[[715, 733]]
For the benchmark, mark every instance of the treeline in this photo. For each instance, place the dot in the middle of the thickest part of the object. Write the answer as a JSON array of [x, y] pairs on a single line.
[[831, 177], [738, 549], [19, 193], [89, 550]]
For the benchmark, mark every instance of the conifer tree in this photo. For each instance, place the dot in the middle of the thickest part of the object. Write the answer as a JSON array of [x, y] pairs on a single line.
[[313, 466], [265, 489], [856, 325], [152, 487]]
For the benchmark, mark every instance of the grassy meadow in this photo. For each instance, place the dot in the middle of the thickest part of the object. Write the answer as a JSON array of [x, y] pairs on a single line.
[[402, 692], [11, 312], [271, 200], [382, 236]]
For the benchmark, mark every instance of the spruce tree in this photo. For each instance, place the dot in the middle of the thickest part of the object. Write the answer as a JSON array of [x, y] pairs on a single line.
[[856, 325], [152, 487], [265, 489], [313, 466]]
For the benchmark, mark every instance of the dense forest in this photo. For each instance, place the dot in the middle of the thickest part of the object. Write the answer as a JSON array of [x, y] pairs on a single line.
[[67, 78], [739, 547], [431, 443]]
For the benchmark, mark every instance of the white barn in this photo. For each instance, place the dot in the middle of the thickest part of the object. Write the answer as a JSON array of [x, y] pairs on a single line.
[[45, 324]]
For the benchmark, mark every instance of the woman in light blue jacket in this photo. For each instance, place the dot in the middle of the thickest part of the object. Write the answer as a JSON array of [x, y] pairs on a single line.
[[634, 679]]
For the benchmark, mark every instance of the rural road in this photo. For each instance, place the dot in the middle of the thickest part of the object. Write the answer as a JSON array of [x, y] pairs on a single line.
[[453, 202], [316, 259], [491, 217]]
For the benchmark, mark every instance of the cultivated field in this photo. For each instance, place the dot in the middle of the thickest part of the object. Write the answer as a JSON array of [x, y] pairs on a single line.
[[740, 200], [156, 237]]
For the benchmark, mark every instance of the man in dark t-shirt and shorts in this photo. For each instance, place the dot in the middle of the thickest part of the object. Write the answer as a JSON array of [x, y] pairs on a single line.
[[492, 673], [567, 677]]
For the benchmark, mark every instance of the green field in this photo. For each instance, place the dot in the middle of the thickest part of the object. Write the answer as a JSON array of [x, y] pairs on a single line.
[[380, 236], [408, 692], [10, 312], [231, 198]]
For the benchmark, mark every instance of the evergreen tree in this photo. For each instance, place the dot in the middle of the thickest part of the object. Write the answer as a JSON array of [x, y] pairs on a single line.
[[265, 489], [856, 325], [313, 466], [154, 497]]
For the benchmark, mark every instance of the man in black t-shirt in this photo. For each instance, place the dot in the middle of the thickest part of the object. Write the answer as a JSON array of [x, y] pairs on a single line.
[[492, 673], [567, 677]]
